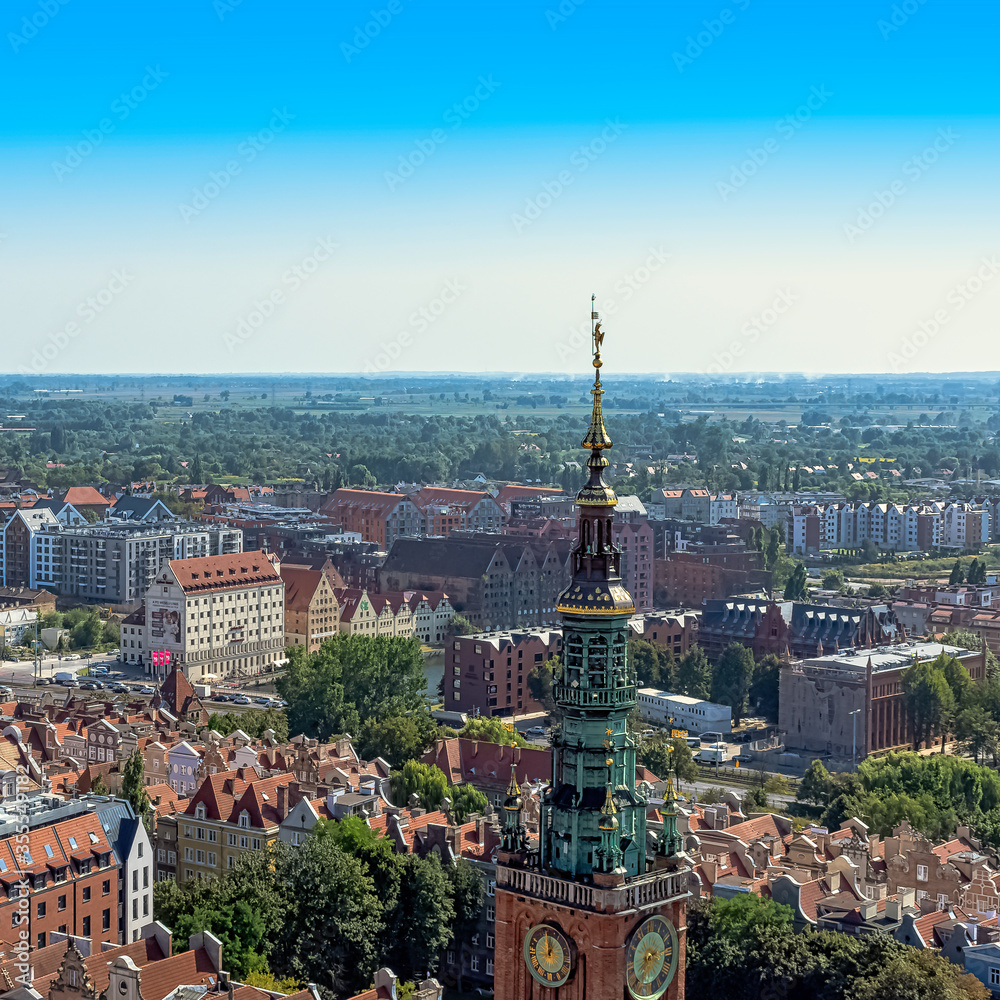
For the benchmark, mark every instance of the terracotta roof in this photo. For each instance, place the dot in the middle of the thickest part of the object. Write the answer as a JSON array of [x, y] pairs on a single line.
[[85, 496], [46, 961], [226, 795], [240, 569], [300, 586], [369, 499]]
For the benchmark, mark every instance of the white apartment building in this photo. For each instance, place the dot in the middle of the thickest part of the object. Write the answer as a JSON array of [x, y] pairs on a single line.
[[114, 561], [218, 616], [682, 712], [723, 505]]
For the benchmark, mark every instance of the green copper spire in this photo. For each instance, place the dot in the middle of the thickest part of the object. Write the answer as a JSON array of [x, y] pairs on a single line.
[[513, 836], [669, 842], [593, 818]]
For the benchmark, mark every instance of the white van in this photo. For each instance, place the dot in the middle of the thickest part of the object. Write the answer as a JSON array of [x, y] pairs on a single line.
[[712, 755], [64, 677]]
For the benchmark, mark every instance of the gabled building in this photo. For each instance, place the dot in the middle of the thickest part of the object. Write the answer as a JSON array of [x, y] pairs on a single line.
[[312, 612]]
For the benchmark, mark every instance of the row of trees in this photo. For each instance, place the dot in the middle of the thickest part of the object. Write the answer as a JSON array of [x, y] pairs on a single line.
[[746, 948], [934, 793], [330, 912]]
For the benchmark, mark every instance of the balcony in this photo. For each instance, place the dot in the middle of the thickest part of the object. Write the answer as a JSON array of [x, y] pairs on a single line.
[[644, 890]]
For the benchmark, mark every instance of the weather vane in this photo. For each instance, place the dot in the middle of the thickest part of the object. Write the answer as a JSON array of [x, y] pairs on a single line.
[[596, 332]]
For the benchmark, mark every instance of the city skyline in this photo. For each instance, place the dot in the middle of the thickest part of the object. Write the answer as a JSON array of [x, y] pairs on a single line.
[[747, 187]]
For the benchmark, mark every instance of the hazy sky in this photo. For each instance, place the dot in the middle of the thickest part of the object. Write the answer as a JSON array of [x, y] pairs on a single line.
[[247, 185]]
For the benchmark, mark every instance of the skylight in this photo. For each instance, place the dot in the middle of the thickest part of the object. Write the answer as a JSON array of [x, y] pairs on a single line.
[[93, 837], [26, 856], [48, 850], [72, 842], [3, 865]]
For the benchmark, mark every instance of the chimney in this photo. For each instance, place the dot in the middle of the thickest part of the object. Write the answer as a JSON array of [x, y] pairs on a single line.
[[282, 802], [893, 909], [868, 909], [833, 879]]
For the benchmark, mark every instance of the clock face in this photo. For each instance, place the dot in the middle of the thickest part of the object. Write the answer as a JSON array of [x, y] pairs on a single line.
[[548, 954], [651, 958]]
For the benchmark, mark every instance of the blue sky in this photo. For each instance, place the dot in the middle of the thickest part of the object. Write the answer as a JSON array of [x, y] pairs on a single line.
[[211, 185]]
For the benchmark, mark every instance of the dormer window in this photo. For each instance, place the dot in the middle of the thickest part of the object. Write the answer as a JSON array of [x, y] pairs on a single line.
[[199, 812], [244, 819]]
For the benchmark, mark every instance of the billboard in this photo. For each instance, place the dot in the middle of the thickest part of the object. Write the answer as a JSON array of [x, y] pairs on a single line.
[[164, 616]]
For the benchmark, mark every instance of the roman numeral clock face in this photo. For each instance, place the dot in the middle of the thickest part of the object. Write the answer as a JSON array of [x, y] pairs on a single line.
[[548, 954], [651, 958]]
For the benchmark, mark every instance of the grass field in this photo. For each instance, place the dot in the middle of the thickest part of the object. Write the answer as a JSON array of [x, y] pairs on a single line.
[[918, 569]]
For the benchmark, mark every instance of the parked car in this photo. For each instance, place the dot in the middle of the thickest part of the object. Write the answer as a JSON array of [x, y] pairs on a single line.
[[118, 688], [148, 689], [221, 696], [278, 703], [262, 700], [137, 687], [91, 686], [242, 699], [99, 671], [535, 731]]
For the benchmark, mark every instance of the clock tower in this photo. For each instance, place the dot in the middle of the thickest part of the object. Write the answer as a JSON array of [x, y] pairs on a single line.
[[593, 910]]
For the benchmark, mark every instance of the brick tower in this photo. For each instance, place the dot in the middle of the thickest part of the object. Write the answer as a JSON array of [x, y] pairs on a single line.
[[591, 911]]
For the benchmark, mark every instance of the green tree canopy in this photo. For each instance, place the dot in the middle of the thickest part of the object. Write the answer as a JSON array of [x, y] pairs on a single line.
[[731, 679], [350, 679]]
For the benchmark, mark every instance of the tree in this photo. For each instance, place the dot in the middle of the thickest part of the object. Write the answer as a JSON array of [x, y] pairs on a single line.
[[929, 700], [877, 590], [421, 924], [731, 679], [99, 786], [833, 579], [541, 683], [773, 549], [694, 675], [795, 588], [352, 677], [667, 756], [977, 573], [133, 787], [764, 686], [332, 932], [490, 729], [431, 787], [460, 625], [957, 575], [395, 739]]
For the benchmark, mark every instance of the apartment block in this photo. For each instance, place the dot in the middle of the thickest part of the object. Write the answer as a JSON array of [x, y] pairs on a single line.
[[219, 616], [312, 612], [486, 673]]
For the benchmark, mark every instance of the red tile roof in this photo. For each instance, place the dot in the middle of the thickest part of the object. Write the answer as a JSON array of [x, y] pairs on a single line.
[[208, 573]]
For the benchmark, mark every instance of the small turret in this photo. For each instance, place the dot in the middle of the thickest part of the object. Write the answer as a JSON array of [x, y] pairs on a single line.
[[514, 837]]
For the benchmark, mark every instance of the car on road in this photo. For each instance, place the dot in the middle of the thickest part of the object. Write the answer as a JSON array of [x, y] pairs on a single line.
[[118, 688], [535, 731], [147, 689], [72, 656], [241, 699], [137, 687], [743, 758]]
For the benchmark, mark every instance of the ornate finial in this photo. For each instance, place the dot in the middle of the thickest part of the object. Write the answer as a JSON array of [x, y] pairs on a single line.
[[597, 435], [513, 789]]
